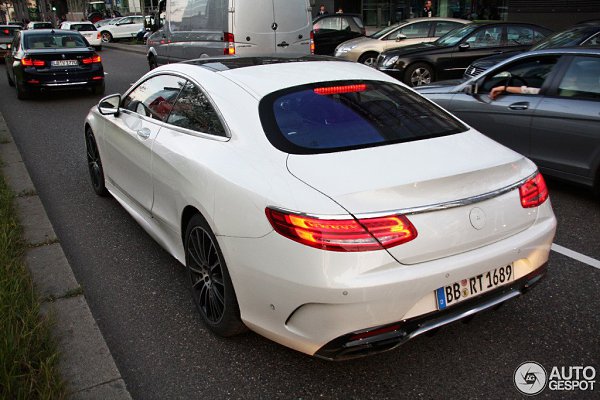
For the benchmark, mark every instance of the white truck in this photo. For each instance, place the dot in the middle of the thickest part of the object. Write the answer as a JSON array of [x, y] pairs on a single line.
[[200, 28]]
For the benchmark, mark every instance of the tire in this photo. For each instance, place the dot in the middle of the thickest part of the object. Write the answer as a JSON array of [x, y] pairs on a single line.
[[99, 89], [95, 164], [418, 74], [152, 62], [10, 81], [210, 284], [22, 93], [369, 58], [106, 37]]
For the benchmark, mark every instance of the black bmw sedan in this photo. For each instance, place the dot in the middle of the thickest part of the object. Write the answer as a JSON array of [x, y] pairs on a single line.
[[49, 59], [450, 55]]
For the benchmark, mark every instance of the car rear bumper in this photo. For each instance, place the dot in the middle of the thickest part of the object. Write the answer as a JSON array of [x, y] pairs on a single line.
[[34, 79], [349, 346], [308, 299]]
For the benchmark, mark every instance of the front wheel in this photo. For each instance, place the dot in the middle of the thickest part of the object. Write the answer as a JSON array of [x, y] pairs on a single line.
[[369, 59], [95, 164], [212, 290], [418, 74], [106, 37]]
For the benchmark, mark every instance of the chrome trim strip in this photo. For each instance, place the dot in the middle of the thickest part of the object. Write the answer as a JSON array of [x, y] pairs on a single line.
[[66, 84], [454, 69], [417, 210], [429, 326], [449, 204]]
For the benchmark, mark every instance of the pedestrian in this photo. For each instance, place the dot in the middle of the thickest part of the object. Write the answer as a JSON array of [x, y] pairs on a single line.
[[322, 10], [428, 9]]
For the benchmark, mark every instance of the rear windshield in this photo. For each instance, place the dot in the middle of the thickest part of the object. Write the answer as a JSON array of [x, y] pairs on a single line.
[[54, 41], [8, 31], [337, 116], [82, 27]]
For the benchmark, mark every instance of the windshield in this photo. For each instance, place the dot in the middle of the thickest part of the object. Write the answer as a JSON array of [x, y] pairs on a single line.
[[83, 27], [337, 116], [455, 36], [54, 41], [382, 32], [568, 38]]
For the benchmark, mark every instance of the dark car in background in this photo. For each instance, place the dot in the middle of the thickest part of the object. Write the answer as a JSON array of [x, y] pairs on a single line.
[[449, 56], [333, 29], [47, 59], [7, 33], [584, 34], [558, 128]]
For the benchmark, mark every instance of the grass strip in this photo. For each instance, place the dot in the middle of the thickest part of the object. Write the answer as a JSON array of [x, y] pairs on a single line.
[[28, 355]]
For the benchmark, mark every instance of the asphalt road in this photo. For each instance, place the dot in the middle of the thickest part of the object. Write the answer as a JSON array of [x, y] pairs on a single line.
[[138, 293]]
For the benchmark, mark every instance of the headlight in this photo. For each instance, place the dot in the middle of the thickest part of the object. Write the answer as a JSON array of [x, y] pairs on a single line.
[[344, 49], [390, 62]]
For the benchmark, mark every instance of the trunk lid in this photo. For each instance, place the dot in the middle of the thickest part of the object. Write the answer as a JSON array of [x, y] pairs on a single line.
[[65, 54], [423, 173]]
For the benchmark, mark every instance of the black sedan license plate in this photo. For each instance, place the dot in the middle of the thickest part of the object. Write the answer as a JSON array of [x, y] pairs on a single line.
[[474, 286], [65, 63]]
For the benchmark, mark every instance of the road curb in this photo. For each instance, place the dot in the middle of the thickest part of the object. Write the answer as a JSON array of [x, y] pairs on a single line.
[[85, 362]]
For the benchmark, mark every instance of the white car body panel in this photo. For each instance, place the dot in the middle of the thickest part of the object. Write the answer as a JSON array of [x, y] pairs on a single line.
[[93, 37], [297, 295], [122, 31]]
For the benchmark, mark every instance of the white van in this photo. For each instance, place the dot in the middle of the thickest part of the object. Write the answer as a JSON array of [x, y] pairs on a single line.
[[200, 28]]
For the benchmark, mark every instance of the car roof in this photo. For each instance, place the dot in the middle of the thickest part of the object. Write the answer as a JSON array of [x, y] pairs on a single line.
[[260, 76], [78, 22], [40, 31]]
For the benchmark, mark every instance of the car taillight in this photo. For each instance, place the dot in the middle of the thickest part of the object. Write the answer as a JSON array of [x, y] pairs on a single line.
[[91, 60], [229, 40], [312, 42], [533, 192], [30, 62], [98, 36], [343, 234]]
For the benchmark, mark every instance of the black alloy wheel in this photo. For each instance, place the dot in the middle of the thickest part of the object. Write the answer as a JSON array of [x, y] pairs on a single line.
[[10, 81], [95, 164], [211, 287], [418, 74]]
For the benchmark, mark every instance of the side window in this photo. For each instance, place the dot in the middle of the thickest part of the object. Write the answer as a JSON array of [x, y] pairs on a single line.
[[194, 111], [154, 98], [443, 27], [420, 29], [329, 24], [519, 36], [530, 72], [345, 24], [485, 37], [582, 79], [593, 41]]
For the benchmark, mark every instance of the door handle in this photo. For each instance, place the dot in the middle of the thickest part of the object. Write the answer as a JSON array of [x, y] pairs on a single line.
[[519, 106], [144, 133]]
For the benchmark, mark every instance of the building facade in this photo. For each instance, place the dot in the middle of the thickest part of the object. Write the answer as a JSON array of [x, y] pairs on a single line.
[[554, 14]]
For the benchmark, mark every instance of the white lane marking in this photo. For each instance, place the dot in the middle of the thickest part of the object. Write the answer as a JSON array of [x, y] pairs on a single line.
[[575, 255]]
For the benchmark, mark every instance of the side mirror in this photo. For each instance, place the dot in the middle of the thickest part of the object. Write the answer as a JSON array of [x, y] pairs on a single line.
[[110, 105], [464, 46], [400, 37]]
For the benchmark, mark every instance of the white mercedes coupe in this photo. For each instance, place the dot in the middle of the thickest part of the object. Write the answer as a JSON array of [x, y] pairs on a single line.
[[320, 203]]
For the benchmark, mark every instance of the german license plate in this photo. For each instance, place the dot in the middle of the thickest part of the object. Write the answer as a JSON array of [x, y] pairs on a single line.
[[467, 288], [64, 63]]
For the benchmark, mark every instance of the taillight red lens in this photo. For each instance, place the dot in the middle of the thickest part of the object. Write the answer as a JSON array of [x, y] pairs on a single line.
[[91, 60], [533, 192], [229, 40], [98, 36], [30, 62], [324, 91], [343, 234], [312, 42]]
